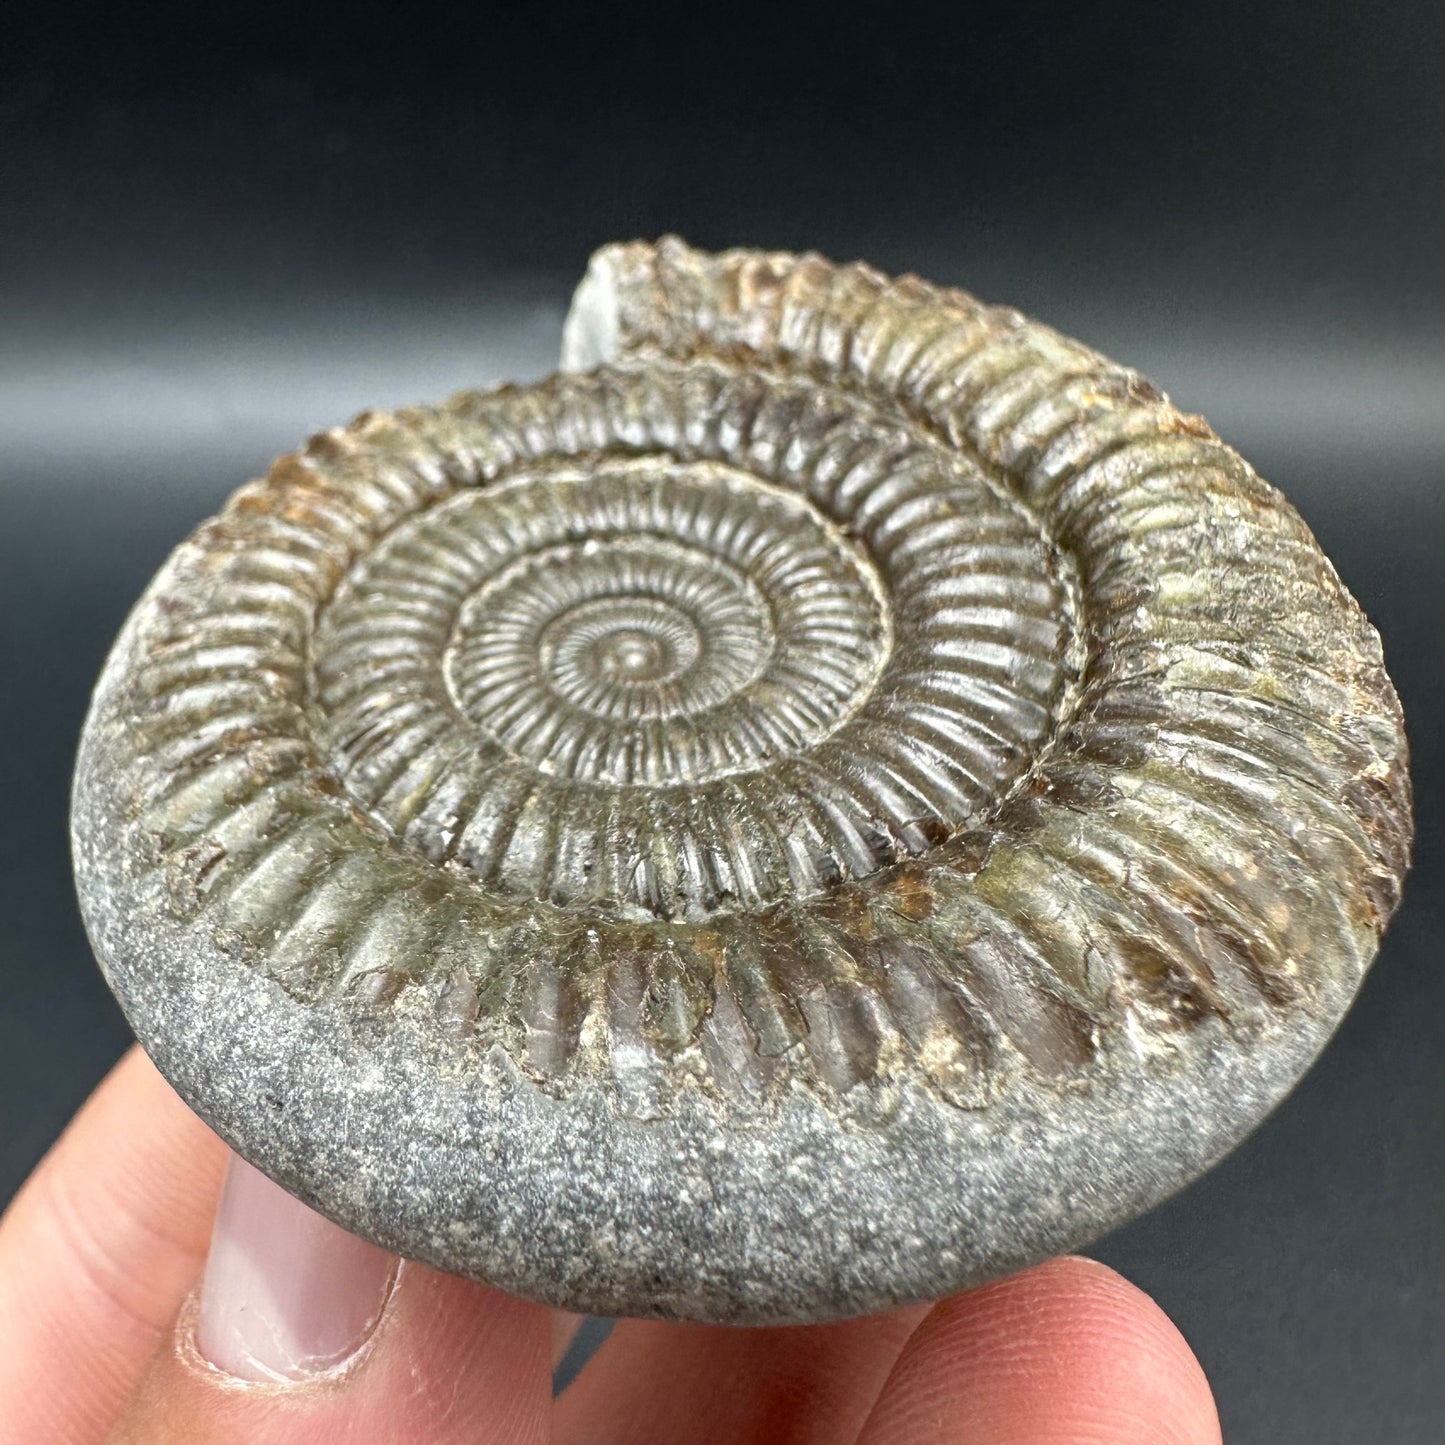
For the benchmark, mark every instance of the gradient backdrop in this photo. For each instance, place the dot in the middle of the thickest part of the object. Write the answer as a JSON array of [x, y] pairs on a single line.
[[221, 229]]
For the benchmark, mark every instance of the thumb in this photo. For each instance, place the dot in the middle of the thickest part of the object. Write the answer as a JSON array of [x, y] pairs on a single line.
[[303, 1333]]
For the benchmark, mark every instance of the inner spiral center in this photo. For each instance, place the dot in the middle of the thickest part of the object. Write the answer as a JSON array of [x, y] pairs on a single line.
[[631, 657], [678, 685], [627, 642], [609, 636]]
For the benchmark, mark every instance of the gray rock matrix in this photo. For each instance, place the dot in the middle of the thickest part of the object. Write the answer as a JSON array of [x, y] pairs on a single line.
[[837, 795]]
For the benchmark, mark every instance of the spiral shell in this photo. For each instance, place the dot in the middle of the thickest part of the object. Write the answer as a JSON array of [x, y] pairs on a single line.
[[838, 793]]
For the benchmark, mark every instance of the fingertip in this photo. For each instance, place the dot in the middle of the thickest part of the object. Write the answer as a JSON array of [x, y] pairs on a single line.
[[301, 1332], [1069, 1351], [286, 1294]]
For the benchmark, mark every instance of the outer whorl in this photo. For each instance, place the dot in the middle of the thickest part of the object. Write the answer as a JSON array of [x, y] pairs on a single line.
[[838, 794]]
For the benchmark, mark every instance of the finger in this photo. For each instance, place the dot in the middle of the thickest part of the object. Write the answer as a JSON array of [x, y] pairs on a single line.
[[96, 1253], [653, 1382], [1065, 1354], [303, 1334]]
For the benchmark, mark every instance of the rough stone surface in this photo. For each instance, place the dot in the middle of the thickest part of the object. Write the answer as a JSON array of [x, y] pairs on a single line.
[[839, 794]]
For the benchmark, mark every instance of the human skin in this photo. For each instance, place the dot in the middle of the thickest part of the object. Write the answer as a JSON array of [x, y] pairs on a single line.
[[112, 1328]]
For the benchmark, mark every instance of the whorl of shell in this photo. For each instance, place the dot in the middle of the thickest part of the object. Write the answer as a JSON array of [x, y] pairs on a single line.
[[843, 680]]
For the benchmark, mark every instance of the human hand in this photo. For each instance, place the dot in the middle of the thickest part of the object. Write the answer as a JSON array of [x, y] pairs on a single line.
[[115, 1326]]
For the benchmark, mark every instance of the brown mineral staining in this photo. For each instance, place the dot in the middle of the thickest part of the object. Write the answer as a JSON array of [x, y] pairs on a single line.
[[909, 895]]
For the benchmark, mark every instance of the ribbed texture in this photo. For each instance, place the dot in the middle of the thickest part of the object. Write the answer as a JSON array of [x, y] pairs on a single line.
[[850, 679]]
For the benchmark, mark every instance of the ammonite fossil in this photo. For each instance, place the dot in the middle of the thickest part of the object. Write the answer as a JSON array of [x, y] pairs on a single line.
[[836, 795]]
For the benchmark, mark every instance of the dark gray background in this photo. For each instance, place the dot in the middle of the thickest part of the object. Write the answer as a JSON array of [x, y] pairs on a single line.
[[221, 228]]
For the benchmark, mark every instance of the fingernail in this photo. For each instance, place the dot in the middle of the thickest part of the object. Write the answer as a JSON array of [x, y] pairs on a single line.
[[286, 1294]]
